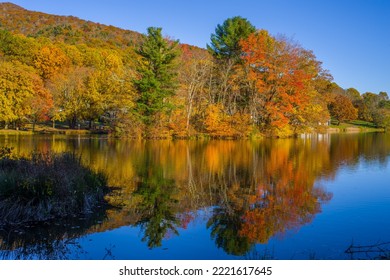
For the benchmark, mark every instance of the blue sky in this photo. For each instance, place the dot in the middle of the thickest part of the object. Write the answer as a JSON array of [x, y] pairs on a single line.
[[351, 38]]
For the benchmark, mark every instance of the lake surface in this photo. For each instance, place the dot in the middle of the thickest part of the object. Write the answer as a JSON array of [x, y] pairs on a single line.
[[306, 198]]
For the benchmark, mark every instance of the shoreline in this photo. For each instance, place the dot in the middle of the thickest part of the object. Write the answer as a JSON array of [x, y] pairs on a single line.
[[70, 132]]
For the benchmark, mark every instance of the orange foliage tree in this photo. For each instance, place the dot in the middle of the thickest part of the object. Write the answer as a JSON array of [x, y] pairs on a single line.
[[283, 75], [342, 109], [49, 60]]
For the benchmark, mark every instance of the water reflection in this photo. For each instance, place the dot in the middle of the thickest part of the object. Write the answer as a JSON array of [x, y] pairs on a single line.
[[254, 189], [47, 241], [157, 206]]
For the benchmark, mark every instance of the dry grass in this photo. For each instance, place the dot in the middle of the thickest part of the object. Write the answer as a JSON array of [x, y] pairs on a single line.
[[47, 186]]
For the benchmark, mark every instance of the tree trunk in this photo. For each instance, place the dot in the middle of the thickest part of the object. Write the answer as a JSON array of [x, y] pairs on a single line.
[[72, 122]]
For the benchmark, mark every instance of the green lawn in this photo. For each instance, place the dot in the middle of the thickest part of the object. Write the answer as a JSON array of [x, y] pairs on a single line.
[[362, 123]]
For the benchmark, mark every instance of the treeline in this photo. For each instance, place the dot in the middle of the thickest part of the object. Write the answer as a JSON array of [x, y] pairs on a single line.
[[349, 104], [247, 82]]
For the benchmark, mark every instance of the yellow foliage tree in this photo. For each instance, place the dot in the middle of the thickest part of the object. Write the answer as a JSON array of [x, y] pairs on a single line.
[[50, 60], [20, 89]]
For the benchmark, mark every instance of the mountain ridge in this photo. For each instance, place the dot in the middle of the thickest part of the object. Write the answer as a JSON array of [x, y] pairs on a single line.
[[69, 29]]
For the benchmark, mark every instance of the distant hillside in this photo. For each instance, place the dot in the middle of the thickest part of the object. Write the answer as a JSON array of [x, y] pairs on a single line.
[[68, 29]]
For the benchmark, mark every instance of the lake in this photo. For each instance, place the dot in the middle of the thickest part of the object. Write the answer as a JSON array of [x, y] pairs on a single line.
[[313, 197]]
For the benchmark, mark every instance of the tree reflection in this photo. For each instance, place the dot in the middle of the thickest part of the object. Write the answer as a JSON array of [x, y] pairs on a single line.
[[225, 228], [157, 208], [279, 195], [55, 240], [274, 211]]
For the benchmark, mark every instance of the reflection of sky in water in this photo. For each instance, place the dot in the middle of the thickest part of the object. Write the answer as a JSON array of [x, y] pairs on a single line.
[[353, 170], [124, 243]]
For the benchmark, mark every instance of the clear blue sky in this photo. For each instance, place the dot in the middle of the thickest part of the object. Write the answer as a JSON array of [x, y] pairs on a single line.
[[351, 38]]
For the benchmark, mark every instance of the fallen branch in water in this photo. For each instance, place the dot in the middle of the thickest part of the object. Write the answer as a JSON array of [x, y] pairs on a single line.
[[373, 252]]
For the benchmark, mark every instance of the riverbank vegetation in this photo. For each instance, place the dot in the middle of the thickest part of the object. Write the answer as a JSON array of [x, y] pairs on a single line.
[[63, 70], [47, 186]]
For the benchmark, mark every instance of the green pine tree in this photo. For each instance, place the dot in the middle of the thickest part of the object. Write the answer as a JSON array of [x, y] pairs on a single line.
[[225, 43], [157, 75]]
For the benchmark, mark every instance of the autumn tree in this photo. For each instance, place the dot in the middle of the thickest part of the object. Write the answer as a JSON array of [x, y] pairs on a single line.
[[284, 76], [70, 96], [368, 105], [381, 118], [109, 90], [22, 95], [157, 77], [335, 89], [342, 109], [41, 104], [50, 60], [194, 76], [354, 95], [12, 95], [375, 108], [383, 96], [17, 47]]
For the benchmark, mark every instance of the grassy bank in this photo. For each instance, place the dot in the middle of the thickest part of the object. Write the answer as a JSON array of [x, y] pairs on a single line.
[[15, 132], [351, 127], [47, 186], [355, 126], [47, 128]]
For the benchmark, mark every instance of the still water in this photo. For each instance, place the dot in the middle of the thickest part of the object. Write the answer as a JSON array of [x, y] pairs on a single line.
[[306, 198]]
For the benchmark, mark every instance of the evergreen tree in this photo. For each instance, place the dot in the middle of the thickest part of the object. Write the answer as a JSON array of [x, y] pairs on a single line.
[[230, 82], [225, 43], [157, 75]]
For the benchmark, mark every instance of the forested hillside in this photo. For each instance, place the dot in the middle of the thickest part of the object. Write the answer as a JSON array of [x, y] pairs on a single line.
[[70, 29], [64, 70]]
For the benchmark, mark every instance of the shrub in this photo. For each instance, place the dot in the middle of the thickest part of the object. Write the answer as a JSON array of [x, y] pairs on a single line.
[[46, 186], [6, 152]]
